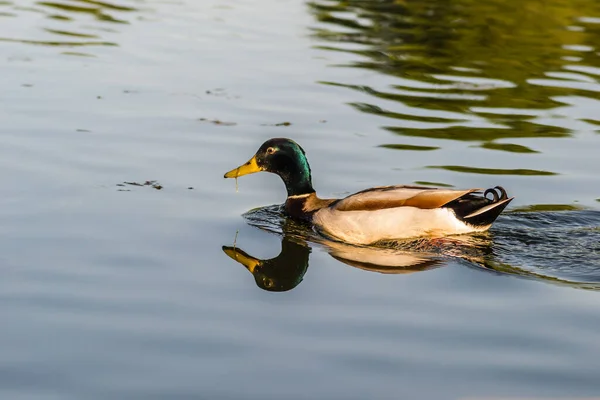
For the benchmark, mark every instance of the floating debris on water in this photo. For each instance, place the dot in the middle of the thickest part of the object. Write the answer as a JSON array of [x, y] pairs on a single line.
[[217, 92], [152, 184], [218, 122], [220, 92], [76, 53], [286, 123]]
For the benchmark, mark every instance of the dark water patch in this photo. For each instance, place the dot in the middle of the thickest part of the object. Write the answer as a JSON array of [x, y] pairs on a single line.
[[591, 121], [455, 102], [101, 29], [77, 54], [57, 43], [549, 207], [510, 147], [439, 184], [410, 147], [71, 34], [373, 109], [60, 17], [517, 129], [109, 6], [69, 7], [108, 18], [493, 171], [97, 9]]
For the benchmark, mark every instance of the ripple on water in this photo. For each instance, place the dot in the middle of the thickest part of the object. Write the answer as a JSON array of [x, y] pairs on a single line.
[[60, 29], [510, 81], [493, 171]]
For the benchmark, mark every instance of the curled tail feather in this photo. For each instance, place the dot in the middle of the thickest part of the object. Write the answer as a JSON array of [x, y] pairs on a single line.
[[480, 210]]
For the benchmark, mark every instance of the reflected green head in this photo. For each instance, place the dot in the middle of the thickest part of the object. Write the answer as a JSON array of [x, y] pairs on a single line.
[[278, 274]]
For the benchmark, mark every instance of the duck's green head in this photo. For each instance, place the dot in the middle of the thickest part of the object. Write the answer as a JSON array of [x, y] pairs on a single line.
[[283, 157]]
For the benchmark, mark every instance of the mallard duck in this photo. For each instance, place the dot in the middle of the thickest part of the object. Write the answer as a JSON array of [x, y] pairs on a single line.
[[376, 214]]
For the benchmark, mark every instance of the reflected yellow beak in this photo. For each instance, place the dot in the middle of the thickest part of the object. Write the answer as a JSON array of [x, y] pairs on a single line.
[[249, 168], [242, 257]]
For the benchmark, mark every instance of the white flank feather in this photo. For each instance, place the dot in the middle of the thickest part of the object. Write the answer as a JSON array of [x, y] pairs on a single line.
[[366, 227]]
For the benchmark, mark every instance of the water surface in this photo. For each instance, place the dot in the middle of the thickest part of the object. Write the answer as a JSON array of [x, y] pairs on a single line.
[[123, 290]]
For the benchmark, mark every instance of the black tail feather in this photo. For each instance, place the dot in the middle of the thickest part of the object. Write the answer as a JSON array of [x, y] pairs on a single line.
[[477, 210]]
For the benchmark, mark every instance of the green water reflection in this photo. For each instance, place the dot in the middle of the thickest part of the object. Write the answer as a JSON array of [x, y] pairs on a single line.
[[411, 147], [484, 70], [510, 147], [493, 171], [62, 28]]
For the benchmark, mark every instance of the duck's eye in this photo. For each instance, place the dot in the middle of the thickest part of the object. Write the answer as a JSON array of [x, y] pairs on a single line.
[[270, 150]]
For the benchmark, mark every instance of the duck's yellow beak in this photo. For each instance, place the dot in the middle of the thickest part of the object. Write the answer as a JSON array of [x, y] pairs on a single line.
[[242, 257], [249, 168]]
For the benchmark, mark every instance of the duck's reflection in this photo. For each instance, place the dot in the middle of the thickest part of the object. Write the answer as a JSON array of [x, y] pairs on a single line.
[[278, 274], [287, 270], [385, 261]]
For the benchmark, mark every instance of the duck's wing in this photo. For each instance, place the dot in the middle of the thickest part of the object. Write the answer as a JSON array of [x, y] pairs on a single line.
[[383, 197]]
